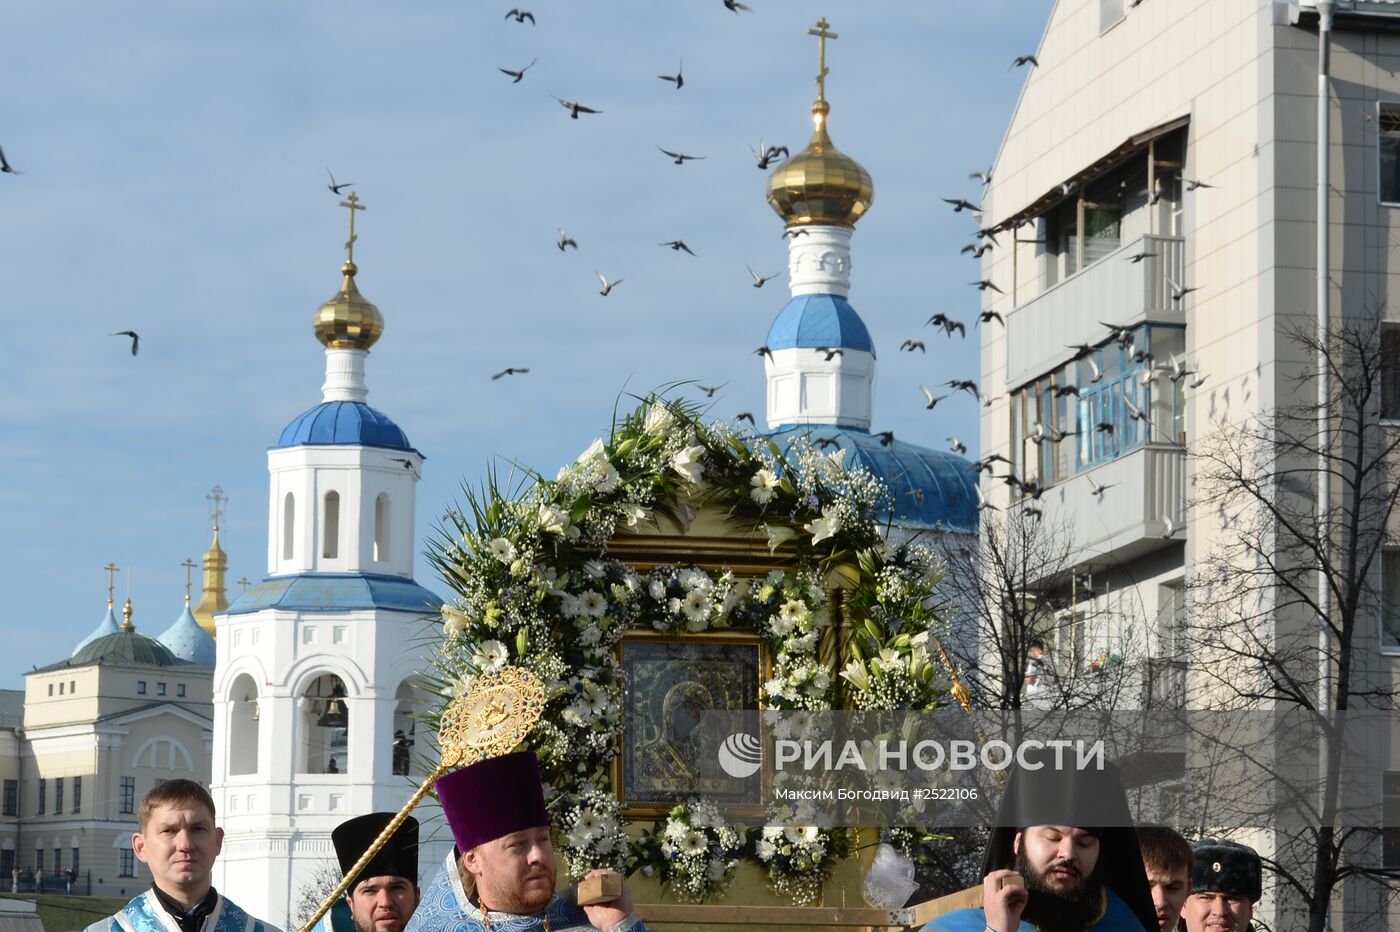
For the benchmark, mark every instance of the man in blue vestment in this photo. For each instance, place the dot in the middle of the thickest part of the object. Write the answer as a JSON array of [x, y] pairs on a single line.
[[385, 892], [178, 841], [501, 876], [1062, 857]]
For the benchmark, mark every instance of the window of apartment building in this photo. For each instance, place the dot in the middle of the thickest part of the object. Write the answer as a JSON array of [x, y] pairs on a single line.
[[7, 862], [1110, 13], [43, 796], [60, 688], [128, 791], [10, 803], [126, 863], [50, 689], [179, 690], [1390, 818], [58, 862], [1390, 370], [73, 861], [77, 793], [1390, 598], [140, 687], [58, 795], [1388, 146], [72, 687], [160, 689], [1086, 412], [38, 858]]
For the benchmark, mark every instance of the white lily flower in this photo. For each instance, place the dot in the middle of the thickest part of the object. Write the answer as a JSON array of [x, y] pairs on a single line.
[[659, 419], [632, 514], [778, 535], [828, 525], [454, 622], [553, 520], [855, 674], [688, 462], [594, 452]]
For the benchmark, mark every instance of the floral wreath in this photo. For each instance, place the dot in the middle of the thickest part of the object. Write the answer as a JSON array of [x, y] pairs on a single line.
[[534, 587]]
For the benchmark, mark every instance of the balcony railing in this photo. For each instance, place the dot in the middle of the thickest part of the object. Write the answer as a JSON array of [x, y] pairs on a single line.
[[1143, 510], [1113, 290]]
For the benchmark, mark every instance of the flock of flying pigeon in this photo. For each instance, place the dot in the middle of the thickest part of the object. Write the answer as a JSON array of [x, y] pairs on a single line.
[[1175, 370]]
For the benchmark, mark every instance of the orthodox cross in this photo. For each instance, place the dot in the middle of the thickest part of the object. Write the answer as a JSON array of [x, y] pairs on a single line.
[[216, 498], [822, 35], [189, 567], [352, 202], [244, 583], [112, 570]]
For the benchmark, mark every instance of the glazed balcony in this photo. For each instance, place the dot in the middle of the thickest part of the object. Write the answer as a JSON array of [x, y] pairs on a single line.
[[1112, 290]]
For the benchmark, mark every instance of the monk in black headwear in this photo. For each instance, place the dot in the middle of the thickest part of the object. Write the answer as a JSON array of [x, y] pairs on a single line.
[[1062, 857]]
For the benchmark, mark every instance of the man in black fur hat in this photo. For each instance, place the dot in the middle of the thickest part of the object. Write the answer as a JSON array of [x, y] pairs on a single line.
[[1226, 882], [1062, 857], [385, 892]]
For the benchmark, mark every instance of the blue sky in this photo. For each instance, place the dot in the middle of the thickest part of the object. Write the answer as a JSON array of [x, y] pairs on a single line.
[[175, 156]]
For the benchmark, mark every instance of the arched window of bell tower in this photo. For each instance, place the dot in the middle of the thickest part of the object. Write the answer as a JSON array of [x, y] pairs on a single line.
[[330, 526], [289, 523], [381, 527], [243, 726]]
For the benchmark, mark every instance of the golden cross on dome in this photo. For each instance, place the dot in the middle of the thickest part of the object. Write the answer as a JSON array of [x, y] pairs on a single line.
[[352, 202], [217, 498], [822, 35], [189, 567], [112, 570]]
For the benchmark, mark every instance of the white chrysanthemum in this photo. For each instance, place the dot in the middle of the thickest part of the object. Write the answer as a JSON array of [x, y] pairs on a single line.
[[793, 611], [772, 832], [502, 549], [592, 604], [676, 830], [765, 485], [490, 655], [695, 579], [767, 850], [657, 589], [590, 635]]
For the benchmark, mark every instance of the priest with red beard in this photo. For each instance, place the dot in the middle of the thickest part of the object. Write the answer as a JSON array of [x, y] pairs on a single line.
[[1062, 857]]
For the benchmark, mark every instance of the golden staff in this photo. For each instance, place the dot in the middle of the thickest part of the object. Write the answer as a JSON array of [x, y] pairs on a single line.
[[491, 718], [964, 698]]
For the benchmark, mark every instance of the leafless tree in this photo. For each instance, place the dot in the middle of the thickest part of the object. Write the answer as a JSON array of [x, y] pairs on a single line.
[[1285, 612]]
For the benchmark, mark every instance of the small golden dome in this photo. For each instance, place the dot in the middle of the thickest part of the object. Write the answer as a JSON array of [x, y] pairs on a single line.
[[820, 184], [347, 320]]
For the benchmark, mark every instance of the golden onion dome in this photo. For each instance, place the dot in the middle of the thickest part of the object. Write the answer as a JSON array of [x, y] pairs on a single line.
[[347, 320], [820, 184]]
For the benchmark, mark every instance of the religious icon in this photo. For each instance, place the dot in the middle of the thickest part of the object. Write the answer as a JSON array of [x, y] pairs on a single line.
[[669, 736]]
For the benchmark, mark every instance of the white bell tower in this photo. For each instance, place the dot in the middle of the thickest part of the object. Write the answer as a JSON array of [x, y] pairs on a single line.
[[315, 689]]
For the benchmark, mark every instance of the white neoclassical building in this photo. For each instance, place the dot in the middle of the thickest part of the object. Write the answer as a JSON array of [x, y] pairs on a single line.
[[315, 689]]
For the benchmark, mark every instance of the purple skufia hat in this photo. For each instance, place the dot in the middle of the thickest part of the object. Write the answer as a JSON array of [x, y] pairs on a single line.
[[493, 797]]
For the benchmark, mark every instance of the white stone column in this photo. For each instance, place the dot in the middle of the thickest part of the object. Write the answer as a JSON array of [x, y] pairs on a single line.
[[345, 375]]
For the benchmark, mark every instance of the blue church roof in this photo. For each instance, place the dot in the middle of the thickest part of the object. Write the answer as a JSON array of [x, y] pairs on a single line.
[[108, 625], [188, 641], [811, 320], [344, 422], [335, 592], [931, 488]]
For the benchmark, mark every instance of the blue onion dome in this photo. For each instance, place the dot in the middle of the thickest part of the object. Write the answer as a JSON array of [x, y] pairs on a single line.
[[108, 625], [930, 489], [188, 641], [126, 646], [344, 422], [812, 320]]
